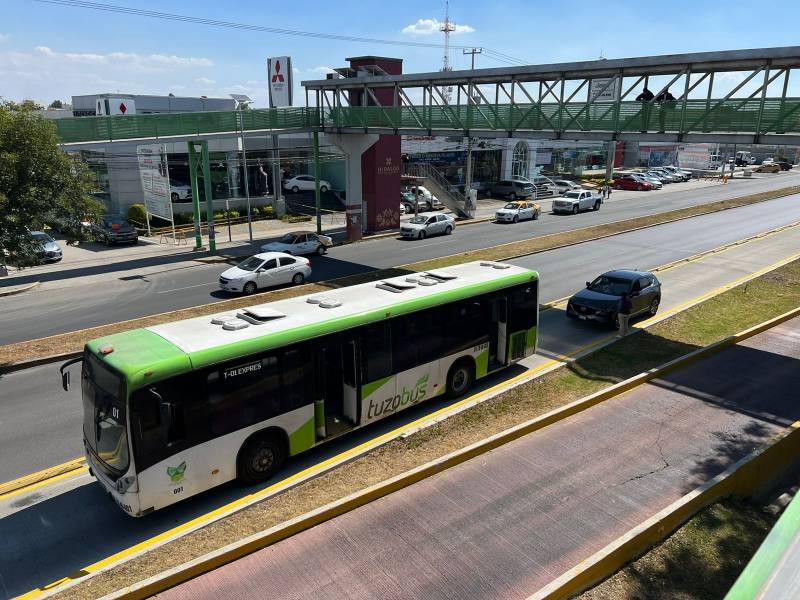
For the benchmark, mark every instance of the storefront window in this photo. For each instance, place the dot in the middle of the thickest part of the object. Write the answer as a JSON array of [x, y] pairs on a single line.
[[519, 162]]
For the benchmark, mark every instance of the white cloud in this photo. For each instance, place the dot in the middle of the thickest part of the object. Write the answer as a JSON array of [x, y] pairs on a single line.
[[322, 69], [142, 61], [431, 26], [5, 37], [204, 81]]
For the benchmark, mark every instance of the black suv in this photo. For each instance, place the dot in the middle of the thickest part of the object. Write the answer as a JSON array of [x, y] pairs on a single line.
[[601, 299], [511, 189], [112, 229]]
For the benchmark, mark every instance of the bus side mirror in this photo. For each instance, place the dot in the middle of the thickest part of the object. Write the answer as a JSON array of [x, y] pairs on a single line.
[[65, 373], [65, 380]]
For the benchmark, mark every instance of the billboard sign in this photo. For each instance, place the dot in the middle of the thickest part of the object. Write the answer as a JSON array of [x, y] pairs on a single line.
[[115, 106], [155, 180], [279, 81], [610, 94]]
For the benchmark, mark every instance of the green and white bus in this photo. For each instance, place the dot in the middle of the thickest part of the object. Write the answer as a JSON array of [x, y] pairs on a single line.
[[175, 409]]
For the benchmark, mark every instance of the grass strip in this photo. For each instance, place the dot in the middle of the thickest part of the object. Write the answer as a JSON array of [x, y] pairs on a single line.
[[763, 298], [700, 561], [74, 341]]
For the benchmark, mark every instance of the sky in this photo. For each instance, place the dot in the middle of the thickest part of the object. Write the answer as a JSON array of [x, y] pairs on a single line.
[[50, 51]]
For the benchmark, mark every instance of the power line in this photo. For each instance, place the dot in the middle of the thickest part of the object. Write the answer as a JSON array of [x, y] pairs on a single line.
[[257, 28]]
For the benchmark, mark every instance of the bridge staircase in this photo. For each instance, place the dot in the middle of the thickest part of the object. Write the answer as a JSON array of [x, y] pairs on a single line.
[[437, 184]]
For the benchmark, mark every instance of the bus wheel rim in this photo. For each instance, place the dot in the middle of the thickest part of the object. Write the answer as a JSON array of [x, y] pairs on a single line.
[[263, 459], [459, 380]]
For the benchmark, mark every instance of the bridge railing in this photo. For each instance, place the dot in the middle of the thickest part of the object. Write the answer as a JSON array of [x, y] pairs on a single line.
[[727, 116], [89, 129]]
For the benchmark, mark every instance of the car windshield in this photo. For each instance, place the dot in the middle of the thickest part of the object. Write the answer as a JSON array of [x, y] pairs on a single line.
[[572, 195], [419, 220], [513, 205], [610, 285], [42, 238], [287, 239], [251, 264]]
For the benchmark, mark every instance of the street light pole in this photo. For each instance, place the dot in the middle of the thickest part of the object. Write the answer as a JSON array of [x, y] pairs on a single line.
[[246, 178]]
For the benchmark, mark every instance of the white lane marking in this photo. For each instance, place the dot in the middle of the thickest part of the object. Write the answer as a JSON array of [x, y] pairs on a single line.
[[188, 287]]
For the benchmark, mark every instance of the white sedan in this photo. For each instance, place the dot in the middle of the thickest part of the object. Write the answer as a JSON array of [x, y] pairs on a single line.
[[300, 242], [305, 183], [520, 210], [425, 224], [264, 270]]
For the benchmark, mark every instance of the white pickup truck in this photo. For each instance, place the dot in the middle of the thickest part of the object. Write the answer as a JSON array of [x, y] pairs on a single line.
[[575, 201]]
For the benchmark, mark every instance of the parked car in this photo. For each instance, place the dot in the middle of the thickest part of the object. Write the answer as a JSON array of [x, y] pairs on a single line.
[[305, 183], [565, 185], [575, 201], [427, 201], [543, 186], [402, 208], [768, 168], [656, 175], [629, 182], [670, 177], [113, 229], [179, 192], [768, 161], [409, 200], [49, 250], [785, 166], [684, 174], [519, 210], [652, 180], [600, 300], [427, 224], [264, 270], [512, 189], [300, 242]]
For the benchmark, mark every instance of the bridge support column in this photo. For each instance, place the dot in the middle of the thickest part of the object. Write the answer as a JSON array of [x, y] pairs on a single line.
[[611, 155], [354, 146]]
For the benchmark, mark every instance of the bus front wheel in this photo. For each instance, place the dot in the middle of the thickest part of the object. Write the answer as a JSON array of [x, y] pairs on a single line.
[[460, 378], [261, 457]]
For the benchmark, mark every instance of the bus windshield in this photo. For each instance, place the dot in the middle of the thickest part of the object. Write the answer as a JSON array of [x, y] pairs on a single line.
[[104, 416]]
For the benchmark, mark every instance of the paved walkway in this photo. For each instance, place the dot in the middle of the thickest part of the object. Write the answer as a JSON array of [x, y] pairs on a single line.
[[506, 523]]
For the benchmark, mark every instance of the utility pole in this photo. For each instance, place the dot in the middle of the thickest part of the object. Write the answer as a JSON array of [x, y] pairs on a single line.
[[468, 176]]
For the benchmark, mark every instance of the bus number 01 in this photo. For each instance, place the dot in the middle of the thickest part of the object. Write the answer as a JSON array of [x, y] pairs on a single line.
[[177, 490]]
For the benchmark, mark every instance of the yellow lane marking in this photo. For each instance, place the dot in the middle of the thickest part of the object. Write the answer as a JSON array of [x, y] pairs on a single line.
[[15, 486], [46, 482], [321, 466]]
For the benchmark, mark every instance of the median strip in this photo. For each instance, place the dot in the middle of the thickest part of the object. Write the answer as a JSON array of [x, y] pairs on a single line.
[[15, 356], [715, 319]]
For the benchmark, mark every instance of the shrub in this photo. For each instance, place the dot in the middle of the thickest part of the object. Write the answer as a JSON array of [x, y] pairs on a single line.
[[268, 212], [233, 214], [137, 215], [218, 216]]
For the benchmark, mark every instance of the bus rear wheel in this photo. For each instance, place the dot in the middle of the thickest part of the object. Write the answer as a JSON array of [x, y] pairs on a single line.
[[260, 458], [460, 378]]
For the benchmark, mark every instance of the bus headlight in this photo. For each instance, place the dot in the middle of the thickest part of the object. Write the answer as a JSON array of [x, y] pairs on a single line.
[[124, 483]]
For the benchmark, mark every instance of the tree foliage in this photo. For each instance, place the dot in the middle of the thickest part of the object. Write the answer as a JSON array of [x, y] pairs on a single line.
[[56, 104], [39, 184]]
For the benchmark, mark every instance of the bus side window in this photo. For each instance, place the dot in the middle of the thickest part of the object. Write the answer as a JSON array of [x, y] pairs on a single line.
[[377, 351], [523, 306], [298, 382]]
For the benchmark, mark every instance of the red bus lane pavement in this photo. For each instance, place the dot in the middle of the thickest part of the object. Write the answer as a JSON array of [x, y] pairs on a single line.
[[506, 523]]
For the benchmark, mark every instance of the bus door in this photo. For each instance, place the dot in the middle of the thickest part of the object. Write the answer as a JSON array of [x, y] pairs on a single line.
[[499, 334], [334, 379]]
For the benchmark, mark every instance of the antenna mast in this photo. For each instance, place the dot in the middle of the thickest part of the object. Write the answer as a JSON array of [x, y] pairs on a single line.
[[447, 27]]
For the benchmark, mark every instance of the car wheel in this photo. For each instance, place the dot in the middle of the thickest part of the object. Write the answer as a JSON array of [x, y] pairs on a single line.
[[298, 278], [260, 458], [249, 288], [448, 230], [536, 215], [421, 235], [654, 307], [512, 196], [596, 205], [174, 196], [323, 189], [575, 210], [295, 190], [460, 378], [321, 250], [516, 218]]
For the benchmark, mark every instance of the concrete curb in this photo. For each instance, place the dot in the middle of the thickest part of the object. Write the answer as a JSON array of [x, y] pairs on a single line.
[[19, 289], [270, 536], [36, 362]]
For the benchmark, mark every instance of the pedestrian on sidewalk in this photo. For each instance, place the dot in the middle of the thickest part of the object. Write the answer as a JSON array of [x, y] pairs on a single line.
[[624, 314]]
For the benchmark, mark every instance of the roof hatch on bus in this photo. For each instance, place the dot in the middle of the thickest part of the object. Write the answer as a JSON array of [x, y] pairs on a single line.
[[259, 314], [495, 265], [396, 286]]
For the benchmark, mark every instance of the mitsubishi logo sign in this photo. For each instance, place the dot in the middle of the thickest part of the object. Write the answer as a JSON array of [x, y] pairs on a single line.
[[122, 108], [279, 76]]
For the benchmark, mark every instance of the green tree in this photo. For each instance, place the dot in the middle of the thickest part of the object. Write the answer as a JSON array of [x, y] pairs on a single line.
[[56, 104], [38, 184]]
